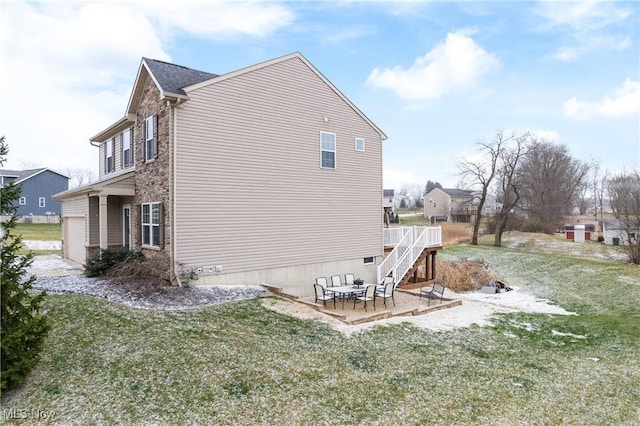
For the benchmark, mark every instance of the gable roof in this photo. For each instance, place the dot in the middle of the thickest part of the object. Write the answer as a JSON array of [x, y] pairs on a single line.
[[170, 79], [175, 81], [22, 175]]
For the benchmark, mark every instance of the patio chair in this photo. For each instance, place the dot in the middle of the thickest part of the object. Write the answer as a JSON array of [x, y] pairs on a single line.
[[387, 292], [322, 281], [435, 292], [336, 281], [349, 279], [368, 296], [324, 295]]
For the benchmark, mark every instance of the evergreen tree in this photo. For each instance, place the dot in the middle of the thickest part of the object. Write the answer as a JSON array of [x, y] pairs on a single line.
[[23, 328]]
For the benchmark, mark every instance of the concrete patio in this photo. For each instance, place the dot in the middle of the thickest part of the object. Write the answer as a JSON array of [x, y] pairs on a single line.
[[408, 303]]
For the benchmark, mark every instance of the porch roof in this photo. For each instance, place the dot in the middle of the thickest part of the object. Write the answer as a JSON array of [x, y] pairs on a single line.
[[122, 184]]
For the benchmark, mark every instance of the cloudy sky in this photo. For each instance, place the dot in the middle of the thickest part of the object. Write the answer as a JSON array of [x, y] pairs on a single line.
[[434, 76]]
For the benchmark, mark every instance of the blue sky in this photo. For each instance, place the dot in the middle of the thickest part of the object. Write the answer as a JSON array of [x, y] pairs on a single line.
[[434, 76]]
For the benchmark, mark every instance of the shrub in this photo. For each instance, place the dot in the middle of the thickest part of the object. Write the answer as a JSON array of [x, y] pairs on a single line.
[[152, 271], [23, 328], [107, 258], [464, 275]]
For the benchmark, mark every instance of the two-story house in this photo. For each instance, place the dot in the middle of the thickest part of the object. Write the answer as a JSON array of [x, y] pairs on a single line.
[[450, 205], [202, 169], [37, 189]]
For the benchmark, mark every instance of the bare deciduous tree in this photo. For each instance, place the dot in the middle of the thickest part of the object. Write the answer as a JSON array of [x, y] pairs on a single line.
[[413, 191], [79, 176], [624, 194], [551, 178], [480, 173], [510, 182]]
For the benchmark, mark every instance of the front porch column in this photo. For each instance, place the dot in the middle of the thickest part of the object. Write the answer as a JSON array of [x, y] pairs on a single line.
[[102, 214]]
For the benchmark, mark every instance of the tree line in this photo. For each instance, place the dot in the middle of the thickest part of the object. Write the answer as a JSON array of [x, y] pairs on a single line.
[[533, 176]]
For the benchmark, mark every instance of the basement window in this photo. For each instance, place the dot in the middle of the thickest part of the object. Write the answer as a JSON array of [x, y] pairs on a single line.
[[368, 260]]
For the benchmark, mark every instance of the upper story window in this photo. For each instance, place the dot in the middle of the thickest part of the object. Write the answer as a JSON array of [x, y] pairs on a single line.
[[151, 138], [108, 164], [22, 201], [41, 202], [327, 150], [127, 158], [359, 144], [151, 224]]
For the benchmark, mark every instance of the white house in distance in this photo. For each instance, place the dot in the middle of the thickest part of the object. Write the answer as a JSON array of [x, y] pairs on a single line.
[[616, 233], [268, 174]]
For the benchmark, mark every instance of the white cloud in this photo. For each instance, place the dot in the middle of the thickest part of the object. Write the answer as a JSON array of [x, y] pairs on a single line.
[[452, 66], [219, 18], [622, 102], [591, 24], [67, 67]]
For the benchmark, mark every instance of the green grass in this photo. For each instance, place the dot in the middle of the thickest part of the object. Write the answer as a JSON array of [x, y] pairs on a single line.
[[241, 363], [39, 231]]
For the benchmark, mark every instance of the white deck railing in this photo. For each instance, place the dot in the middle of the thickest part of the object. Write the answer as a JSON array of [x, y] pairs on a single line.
[[407, 248]]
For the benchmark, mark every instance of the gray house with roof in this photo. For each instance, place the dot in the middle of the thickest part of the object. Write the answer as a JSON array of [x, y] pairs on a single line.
[[193, 146], [38, 187]]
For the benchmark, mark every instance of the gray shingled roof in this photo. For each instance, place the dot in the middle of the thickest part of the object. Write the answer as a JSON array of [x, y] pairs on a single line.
[[455, 192], [173, 78]]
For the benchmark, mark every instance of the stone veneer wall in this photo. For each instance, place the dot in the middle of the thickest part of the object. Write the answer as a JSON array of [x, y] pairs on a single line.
[[153, 178]]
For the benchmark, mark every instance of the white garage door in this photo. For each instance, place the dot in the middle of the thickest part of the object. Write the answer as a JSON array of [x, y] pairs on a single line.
[[74, 239]]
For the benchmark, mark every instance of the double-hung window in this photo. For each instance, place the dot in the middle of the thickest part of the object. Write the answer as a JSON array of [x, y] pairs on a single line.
[[108, 165], [359, 144], [126, 148], [151, 224], [150, 136], [22, 201], [327, 150], [42, 201]]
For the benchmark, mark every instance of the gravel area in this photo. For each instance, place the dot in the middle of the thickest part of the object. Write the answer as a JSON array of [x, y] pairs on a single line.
[[56, 275]]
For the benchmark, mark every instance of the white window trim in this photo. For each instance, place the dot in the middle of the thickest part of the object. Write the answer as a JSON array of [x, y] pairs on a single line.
[[109, 167], [42, 202], [335, 149], [149, 141], [150, 224], [22, 201], [130, 133], [355, 143]]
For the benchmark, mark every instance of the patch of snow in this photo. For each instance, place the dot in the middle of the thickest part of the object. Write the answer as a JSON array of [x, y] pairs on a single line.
[[42, 245], [575, 336]]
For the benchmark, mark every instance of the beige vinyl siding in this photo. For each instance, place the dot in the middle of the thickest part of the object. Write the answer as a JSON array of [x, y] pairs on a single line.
[[250, 191], [102, 158], [76, 206]]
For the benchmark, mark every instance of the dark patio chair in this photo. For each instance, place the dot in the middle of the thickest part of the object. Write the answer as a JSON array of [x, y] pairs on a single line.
[[435, 292], [324, 295], [368, 296], [387, 292]]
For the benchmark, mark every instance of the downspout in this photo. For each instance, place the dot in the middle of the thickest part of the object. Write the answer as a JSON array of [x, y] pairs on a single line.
[[174, 208]]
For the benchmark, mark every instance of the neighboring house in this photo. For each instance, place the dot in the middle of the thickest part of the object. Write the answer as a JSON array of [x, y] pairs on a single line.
[[38, 187], [616, 233], [450, 205], [202, 169]]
